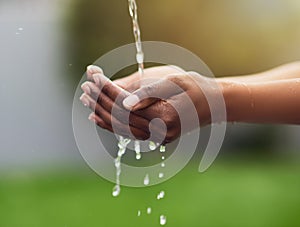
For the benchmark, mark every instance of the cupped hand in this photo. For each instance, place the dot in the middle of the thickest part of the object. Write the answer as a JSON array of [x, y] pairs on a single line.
[[161, 98], [134, 81]]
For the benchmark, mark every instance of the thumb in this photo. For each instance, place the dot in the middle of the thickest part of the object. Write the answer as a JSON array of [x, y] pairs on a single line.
[[147, 95], [129, 83]]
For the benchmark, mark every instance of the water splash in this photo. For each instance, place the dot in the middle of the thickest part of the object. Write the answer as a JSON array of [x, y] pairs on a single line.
[[162, 149], [122, 150], [116, 190], [152, 146]]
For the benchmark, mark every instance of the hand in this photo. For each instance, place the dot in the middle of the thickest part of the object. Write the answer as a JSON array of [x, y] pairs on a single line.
[[100, 95], [144, 104], [174, 99], [134, 81]]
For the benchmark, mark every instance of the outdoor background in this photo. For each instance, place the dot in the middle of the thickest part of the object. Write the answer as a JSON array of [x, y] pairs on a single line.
[[45, 47]]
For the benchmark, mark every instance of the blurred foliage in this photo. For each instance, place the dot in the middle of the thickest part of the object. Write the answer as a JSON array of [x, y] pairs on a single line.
[[233, 37], [248, 195]]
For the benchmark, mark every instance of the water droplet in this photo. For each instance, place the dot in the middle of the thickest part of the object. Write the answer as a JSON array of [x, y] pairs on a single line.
[[163, 219], [161, 195], [146, 180], [116, 190], [138, 156], [20, 29], [163, 157], [163, 164], [162, 149], [152, 146], [160, 175], [137, 148], [149, 210], [139, 213]]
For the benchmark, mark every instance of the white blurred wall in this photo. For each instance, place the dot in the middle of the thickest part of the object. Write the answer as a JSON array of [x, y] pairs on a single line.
[[35, 113]]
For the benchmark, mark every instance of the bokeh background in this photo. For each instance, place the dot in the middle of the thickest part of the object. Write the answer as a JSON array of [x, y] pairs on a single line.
[[45, 47]]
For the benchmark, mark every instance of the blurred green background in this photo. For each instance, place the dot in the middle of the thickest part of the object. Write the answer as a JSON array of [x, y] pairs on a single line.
[[45, 48]]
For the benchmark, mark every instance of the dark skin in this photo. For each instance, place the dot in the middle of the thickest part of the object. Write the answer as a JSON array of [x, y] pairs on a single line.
[[113, 93], [103, 102], [269, 97]]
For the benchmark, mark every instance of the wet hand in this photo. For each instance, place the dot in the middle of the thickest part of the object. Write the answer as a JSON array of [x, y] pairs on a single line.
[[159, 98]]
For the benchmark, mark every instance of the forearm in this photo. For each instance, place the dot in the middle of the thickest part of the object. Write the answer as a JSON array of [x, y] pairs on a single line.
[[264, 102], [287, 71]]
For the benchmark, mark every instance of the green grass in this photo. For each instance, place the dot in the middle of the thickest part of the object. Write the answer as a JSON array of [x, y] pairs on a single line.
[[227, 195]]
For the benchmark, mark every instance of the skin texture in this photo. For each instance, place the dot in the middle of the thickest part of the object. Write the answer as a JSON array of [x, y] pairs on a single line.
[[269, 97]]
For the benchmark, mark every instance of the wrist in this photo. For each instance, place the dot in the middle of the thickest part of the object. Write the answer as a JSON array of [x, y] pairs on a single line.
[[237, 97]]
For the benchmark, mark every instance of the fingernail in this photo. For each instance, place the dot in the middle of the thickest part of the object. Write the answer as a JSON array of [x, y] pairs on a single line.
[[94, 69], [131, 101], [92, 117], [84, 100], [86, 89], [96, 78], [89, 67]]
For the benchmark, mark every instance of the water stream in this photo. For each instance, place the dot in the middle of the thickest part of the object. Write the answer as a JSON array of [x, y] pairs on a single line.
[[123, 142]]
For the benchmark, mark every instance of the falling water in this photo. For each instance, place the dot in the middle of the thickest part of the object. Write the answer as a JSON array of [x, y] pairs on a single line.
[[133, 11], [137, 35], [122, 145]]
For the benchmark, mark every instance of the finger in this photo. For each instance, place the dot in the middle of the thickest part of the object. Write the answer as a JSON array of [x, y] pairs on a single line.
[[91, 89], [94, 91], [123, 115], [92, 69], [101, 123], [129, 83], [109, 105], [133, 81], [113, 91], [135, 134], [105, 121], [147, 95], [118, 127], [97, 120]]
